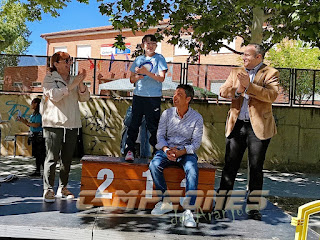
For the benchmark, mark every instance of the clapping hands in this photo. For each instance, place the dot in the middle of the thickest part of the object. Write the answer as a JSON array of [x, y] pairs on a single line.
[[244, 80], [78, 81], [81, 76]]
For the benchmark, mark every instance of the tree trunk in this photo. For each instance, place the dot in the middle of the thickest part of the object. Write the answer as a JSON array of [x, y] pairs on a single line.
[[257, 25]]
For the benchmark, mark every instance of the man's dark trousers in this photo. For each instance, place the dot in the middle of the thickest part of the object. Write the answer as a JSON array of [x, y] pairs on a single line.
[[242, 137]]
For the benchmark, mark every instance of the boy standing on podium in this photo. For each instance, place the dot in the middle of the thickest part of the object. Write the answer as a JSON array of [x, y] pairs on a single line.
[[147, 73]]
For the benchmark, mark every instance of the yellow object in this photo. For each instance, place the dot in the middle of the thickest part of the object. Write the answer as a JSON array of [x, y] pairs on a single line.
[[302, 220]]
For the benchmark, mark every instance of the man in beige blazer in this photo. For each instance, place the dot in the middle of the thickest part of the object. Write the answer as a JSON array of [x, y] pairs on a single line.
[[250, 123]]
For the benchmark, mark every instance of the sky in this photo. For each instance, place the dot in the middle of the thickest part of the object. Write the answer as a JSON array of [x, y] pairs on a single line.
[[75, 16]]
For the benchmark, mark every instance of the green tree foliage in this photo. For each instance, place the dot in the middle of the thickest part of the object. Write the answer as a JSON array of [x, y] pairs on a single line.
[[15, 34], [15, 13], [13, 28], [18, 47], [209, 22], [294, 54], [300, 56]]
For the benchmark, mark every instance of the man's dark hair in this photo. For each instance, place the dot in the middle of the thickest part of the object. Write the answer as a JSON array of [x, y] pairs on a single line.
[[188, 90], [259, 49], [149, 37]]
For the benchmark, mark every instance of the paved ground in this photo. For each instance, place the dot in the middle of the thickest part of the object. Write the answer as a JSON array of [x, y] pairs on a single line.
[[23, 214]]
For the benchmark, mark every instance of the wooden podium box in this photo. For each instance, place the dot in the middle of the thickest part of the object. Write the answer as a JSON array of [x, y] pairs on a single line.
[[21, 145], [112, 182], [16, 145]]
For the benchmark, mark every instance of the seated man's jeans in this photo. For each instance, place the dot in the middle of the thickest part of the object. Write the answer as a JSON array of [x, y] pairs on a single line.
[[189, 164]]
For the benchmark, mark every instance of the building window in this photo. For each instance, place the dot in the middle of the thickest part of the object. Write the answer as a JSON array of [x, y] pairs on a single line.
[[182, 51], [36, 84], [226, 50], [84, 51], [60, 49], [88, 84], [158, 49], [17, 84]]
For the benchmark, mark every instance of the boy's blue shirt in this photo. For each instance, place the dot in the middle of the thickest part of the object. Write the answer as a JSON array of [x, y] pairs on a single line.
[[148, 87]]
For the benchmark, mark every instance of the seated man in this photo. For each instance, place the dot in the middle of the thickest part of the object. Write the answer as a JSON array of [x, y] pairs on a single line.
[[179, 136]]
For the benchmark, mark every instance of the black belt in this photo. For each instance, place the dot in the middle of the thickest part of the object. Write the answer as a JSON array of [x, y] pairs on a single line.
[[244, 120]]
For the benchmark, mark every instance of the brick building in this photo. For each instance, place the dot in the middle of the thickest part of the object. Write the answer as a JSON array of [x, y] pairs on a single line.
[[24, 79], [97, 45]]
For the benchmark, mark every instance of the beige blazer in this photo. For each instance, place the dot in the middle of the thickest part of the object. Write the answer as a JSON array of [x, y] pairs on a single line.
[[263, 91]]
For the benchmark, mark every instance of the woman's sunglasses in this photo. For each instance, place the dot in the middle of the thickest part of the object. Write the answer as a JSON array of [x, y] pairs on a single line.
[[68, 60]]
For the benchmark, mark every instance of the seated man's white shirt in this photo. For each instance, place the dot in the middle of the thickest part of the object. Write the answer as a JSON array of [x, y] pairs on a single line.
[[185, 132]]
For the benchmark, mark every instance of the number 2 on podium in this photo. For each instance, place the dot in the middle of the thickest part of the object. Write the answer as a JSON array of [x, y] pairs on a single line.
[[110, 176]]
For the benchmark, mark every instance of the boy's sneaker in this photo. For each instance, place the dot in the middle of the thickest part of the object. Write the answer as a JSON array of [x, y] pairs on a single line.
[[64, 193], [188, 220], [129, 156], [161, 208], [48, 196]]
